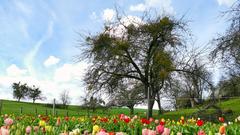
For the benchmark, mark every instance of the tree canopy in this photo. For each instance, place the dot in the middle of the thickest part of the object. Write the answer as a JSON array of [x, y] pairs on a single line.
[[141, 51]]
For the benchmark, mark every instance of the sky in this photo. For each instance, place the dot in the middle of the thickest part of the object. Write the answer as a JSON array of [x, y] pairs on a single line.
[[38, 38]]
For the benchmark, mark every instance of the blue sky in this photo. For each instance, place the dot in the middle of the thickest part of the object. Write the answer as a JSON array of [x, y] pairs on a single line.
[[38, 38]]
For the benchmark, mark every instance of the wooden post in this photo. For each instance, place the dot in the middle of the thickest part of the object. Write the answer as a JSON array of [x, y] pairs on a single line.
[[21, 110], [54, 102], [46, 112], [36, 111]]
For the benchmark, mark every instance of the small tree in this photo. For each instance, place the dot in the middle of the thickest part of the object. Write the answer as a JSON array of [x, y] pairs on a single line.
[[92, 103], [19, 90], [34, 93], [65, 99], [128, 97]]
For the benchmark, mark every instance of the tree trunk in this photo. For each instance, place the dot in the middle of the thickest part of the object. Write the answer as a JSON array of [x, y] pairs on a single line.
[[150, 108], [131, 110], [19, 99], [192, 102], [159, 104], [34, 100]]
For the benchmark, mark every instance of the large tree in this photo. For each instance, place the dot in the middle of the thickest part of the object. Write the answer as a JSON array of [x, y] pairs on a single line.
[[34, 93], [227, 48], [19, 90], [132, 49]]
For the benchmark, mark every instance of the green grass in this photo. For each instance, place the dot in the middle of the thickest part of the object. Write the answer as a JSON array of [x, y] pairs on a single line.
[[14, 107], [232, 104], [10, 107]]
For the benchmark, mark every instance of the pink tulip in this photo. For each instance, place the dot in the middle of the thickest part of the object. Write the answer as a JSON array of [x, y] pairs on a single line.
[[28, 130], [201, 132], [144, 131], [8, 121], [166, 131], [119, 133], [102, 133], [151, 132], [160, 129], [151, 119], [4, 131]]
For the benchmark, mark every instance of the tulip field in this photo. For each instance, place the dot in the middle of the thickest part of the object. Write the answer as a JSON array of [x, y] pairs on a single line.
[[114, 122], [113, 125]]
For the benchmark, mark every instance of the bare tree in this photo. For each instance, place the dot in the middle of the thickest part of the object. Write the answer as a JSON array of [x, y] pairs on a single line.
[[65, 98]]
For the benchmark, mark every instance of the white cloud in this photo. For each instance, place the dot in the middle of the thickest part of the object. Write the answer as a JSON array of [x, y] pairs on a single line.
[[70, 72], [13, 70], [119, 30], [51, 60], [160, 5], [139, 7], [68, 77], [108, 15], [226, 2]]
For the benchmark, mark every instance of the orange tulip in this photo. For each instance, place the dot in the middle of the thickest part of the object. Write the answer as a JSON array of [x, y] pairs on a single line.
[[222, 130], [111, 133]]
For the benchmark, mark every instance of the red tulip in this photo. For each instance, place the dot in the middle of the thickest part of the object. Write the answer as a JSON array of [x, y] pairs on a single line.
[[200, 122], [160, 129], [221, 119]]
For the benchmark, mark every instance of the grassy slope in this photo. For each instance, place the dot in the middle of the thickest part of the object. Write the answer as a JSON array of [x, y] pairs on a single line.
[[29, 108], [233, 104]]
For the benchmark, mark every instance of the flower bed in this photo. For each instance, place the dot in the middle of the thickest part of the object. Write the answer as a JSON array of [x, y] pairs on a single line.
[[113, 125]]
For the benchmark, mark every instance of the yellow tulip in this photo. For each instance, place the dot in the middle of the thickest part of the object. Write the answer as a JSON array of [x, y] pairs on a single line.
[[42, 123]]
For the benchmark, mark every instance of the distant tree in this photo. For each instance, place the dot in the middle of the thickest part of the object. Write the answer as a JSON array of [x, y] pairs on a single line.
[[34, 93], [92, 103], [229, 87], [65, 98], [128, 97], [19, 90]]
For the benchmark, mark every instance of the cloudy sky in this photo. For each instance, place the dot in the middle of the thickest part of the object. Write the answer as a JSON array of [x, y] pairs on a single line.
[[38, 38]]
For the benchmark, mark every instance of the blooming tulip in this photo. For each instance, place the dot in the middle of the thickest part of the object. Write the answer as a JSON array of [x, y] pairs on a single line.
[[201, 132], [151, 132], [102, 133], [160, 129], [222, 130], [28, 129], [144, 131], [4, 131], [166, 131], [8, 121]]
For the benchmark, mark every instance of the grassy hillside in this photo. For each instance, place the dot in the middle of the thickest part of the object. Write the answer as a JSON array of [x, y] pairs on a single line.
[[10, 107], [232, 104], [30, 108]]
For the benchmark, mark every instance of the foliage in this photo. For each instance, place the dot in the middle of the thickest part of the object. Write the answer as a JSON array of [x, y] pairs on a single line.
[[227, 48], [34, 93], [229, 87], [114, 124], [141, 51], [19, 90]]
